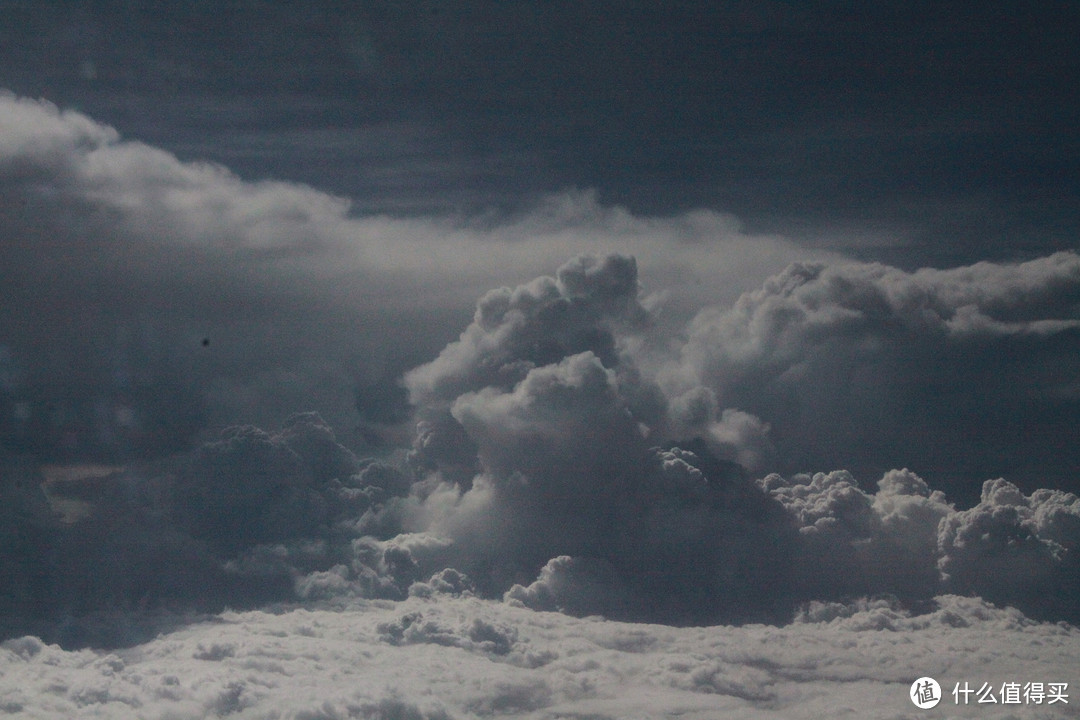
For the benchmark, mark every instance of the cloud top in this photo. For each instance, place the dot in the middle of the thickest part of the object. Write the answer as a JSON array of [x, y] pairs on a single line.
[[464, 658]]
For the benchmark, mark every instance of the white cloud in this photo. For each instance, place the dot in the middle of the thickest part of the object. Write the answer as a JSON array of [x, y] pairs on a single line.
[[811, 312], [300, 297], [866, 366], [1012, 547], [467, 658]]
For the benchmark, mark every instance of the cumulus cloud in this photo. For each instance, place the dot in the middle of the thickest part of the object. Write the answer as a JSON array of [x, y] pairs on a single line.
[[564, 468], [536, 324], [669, 535], [552, 467], [252, 517], [544, 393], [853, 543], [968, 371], [909, 542], [148, 297], [466, 658], [546, 334], [1015, 548], [576, 586], [577, 448]]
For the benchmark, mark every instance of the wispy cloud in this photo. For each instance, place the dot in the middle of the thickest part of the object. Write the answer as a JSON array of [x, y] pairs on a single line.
[[121, 247]]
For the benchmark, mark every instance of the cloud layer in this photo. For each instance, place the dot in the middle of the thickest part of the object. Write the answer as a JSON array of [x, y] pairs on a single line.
[[588, 443], [465, 658]]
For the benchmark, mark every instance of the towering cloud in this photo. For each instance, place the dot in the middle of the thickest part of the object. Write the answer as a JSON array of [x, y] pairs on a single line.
[[1014, 548], [563, 466], [148, 298], [534, 325], [543, 390], [963, 371], [578, 447]]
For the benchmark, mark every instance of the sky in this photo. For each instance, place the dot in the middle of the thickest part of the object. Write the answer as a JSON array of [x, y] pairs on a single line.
[[756, 318]]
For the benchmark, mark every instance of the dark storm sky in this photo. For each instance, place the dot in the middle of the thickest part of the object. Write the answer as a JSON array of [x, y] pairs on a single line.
[[597, 283], [502, 139], [911, 132]]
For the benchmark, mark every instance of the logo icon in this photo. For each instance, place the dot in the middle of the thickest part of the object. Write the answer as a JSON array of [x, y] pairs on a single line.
[[925, 693]]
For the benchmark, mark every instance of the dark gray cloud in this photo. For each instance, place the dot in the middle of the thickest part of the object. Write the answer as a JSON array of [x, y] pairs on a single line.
[[234, 523], [587, 444], [963, 372], [148, 298], [1012, 546], [253, 487], [565, 458], [909, 133]]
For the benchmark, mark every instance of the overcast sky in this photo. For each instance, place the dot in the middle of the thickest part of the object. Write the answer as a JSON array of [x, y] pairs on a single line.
[[671, 314], [915, 132]]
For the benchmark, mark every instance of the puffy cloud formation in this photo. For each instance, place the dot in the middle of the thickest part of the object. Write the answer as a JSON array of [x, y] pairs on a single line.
[[553, 466], [906, 541], [970, 371], [548, 334], [536, 474], [672, 535], [251, 486], [577, 586], [854, 543], [575, 449], [533, 325], [1015, 548], [564, 470], [252, 517], [462, 658], [147, 298], [544, 393]]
